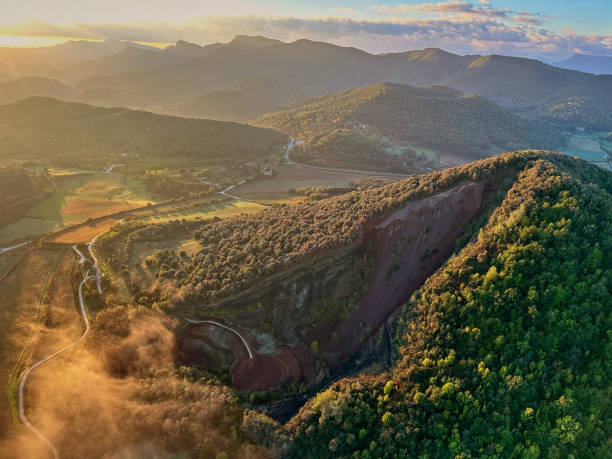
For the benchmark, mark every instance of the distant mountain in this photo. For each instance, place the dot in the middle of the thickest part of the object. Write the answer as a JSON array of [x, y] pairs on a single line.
[[22, 88], [240, 101], [51, 129], [124, 61], [382, 126], [188, 50], [39, 61], [192, 51], [587, 63], [224, 104], [252, 42], [563, 96]]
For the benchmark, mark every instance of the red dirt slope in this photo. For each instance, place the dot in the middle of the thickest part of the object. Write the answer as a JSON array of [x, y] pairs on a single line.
[[269, 371], [410, 244]]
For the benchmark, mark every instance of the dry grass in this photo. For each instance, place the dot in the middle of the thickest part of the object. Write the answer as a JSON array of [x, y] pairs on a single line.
[[22, 294], [277, 187], [86, 232]]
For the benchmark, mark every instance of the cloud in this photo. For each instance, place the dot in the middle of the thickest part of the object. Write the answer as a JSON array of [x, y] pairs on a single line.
[[458, 8], [459, 33]]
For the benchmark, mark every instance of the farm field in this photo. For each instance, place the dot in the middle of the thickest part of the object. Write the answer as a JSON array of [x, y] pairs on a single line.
[[220, 209], [287, 177], [588, 146], [79, 196], [22, 294], [8, 259]]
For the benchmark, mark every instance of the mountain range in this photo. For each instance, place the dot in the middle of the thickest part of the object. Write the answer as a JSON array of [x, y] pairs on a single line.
[[588, 64], [144, 78]]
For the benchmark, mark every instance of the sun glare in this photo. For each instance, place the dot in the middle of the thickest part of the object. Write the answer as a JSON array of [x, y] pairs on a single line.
[[30, 42]]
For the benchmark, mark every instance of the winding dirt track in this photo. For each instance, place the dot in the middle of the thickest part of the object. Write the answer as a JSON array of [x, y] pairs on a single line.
[[8, 249], [212, 322], [95, 260], [24, 378], [336, 170]]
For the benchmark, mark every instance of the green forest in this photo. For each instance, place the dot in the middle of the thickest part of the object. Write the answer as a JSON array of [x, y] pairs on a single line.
[[504, 352], [76, 134], [361, 125]]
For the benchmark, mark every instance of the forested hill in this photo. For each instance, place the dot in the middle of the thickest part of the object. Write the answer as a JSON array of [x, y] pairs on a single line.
[[506, 350], [48, 128], [370, 125]]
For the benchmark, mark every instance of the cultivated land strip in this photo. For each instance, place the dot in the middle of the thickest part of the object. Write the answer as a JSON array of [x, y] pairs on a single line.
[[22, 414]]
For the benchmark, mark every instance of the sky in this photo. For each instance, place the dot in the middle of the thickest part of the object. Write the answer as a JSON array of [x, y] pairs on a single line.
[[546, 29]]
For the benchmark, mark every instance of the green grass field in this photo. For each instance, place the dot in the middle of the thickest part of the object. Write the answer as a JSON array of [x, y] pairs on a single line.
[[80, 195], [587, 146], [222, 209]]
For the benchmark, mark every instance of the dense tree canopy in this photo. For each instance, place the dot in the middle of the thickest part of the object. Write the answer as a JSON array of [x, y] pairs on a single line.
[[505, 352], [375, 127]]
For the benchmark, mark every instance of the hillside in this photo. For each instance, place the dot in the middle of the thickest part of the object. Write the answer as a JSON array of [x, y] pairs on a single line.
[[504, 351], [480, 293], [22, 88], [318, 68], [587, 63], [124, 61], [378, 127], [239, 101], [49, 129], [20, 190]]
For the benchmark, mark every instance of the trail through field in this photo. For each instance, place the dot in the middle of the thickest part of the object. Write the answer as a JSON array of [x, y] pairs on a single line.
[[110, 168], [82, 257], [212, 322], [8, 249], [95, 260], [24, 379]]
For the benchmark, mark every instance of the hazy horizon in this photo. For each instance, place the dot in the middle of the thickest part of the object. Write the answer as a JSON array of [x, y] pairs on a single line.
[[547, 30]]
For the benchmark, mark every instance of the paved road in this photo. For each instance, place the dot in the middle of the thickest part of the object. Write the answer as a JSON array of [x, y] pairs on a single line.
[[212, 322], [24, 378], [8, 249]]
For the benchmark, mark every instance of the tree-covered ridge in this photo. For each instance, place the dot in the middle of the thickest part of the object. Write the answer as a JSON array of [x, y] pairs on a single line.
[[238, 252], [362, 125], [505, 351], [49, 128]]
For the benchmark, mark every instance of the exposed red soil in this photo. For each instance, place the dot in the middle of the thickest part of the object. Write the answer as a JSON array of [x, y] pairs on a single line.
[[211, 346], [268, 371], [410, 244]]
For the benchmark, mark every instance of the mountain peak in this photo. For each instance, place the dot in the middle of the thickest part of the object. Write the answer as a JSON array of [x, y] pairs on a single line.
[[252, 42]]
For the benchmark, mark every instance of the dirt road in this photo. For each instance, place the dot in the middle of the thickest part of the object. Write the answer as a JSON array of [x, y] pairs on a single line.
[[290, 162], [212, 322], [24, 378], [8, 249]]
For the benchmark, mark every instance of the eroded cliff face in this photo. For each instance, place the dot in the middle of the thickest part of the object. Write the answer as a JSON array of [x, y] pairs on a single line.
[[330, 308], [408, 245]]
